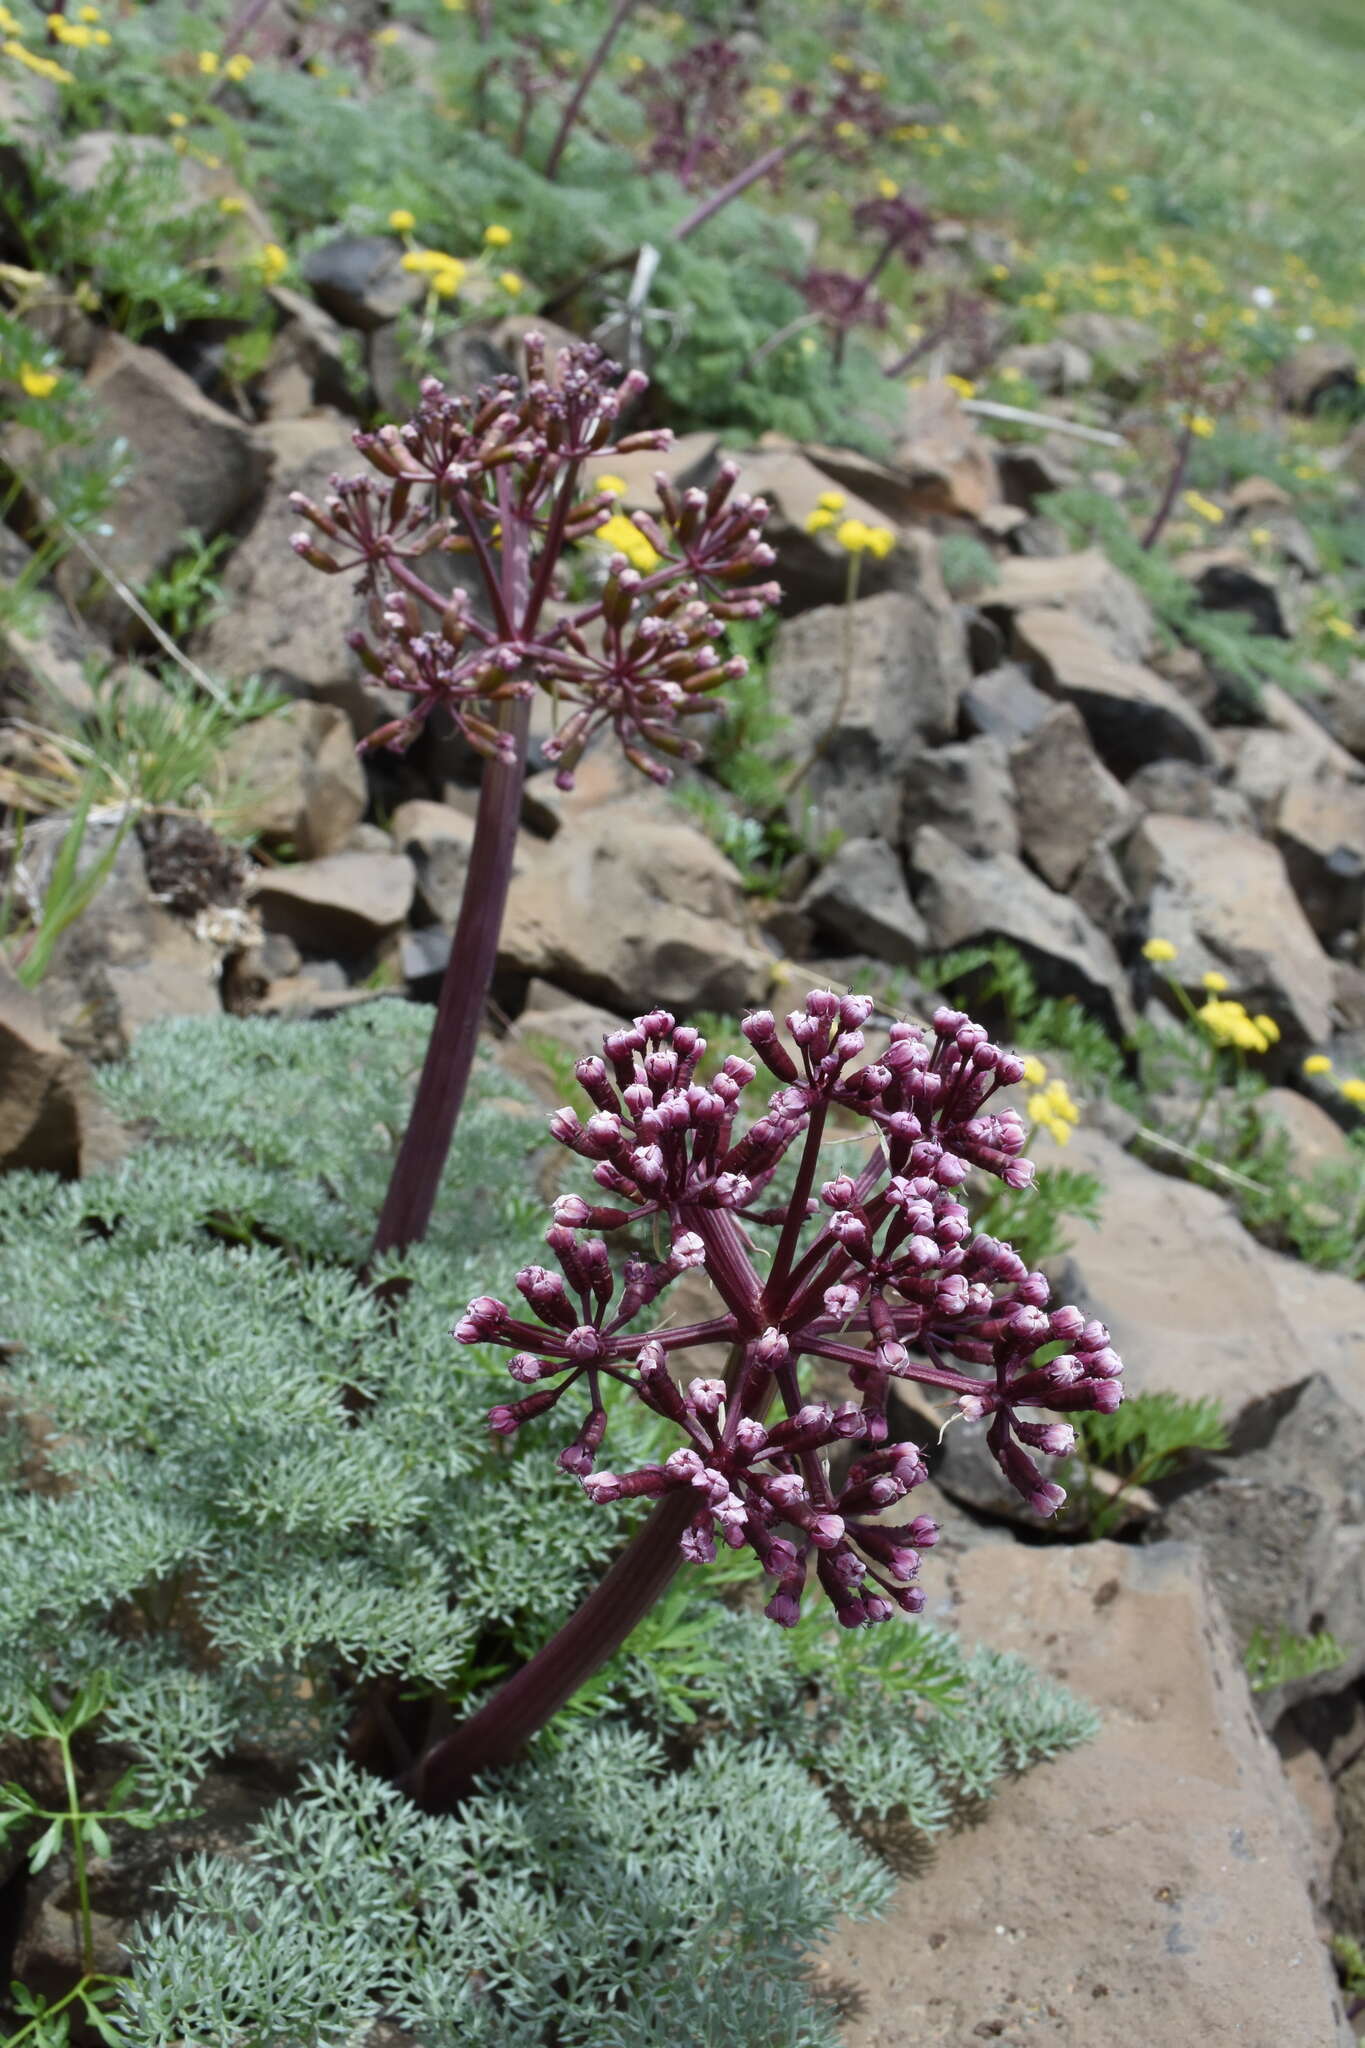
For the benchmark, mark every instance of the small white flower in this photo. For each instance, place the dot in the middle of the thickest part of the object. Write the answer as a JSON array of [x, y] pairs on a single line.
[[1263, 297]]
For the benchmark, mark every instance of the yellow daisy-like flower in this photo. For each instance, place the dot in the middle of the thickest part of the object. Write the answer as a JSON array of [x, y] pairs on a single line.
[[888, 188], [1159, 951], [857, 538], [1215, 983], [1227, 1023], [1035, 1073], [401, 221], [613, 486], [272, 261], [385, 38], [818, 520], [175, 120], [37, 383], [1354, 1091], [963, 386], [231, 203], [239, 67], [1317, 1063], [624, 537], [1200, 425], [41, 67], [497, 236], [208, 63], [511, 281]]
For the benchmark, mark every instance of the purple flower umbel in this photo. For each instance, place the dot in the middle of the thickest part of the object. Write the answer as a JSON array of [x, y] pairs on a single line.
[[876, 1272]]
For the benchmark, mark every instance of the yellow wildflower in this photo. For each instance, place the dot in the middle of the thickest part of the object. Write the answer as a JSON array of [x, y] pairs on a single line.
[[1054, 1111], [1317, 1063], [963, 386], [819, 520], [1204, 507], [272, 262], [497, 236], [847, 131], [231, 203], [765, 100], [401, 221], [385, 37], [1035, 1073], [41, 67], [1159, 951], [1340, 628], [175, 120], [89, 14], [887, 187], [614, 486], [72, 33], [37, 383], [1200, 425], [1215, 983], [445, 274], [1354, 1091], [511, 281], [208, 63], [1260, 536], [624, 537], [1267, 1027], [857, 538], [239, 67], [1120, 194], [1227, 1023], [831, 501]]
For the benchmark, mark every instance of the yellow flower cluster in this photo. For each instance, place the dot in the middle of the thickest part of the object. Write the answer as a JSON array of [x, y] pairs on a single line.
[[624, 537], [1159, 951], [400, 220], [963, 386], [272, 262], [857, 538], [41, 67], [826, 506], [1204, 507], [497, 236], [1052, 1108], [1228, 1023], [1353, 1088], [78, 35], [37, 383], [444, 274], [610, 486]]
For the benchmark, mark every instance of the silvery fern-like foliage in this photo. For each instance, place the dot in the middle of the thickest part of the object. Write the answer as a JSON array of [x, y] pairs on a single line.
[[595, 1898]]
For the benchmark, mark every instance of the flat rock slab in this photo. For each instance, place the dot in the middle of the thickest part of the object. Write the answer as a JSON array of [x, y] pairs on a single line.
[[1149, 1888], [1196, 1306]]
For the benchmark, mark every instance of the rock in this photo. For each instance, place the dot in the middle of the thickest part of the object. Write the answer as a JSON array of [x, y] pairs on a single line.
[[360, 280], [1085, 584], [1098, 888], [1315, 1139], [966, 789], [307, 364], [463, 359], [1257, 494], [1052, 367], [1224, 900], [633, 907], [690, 463], [293, 778], [125, 959], [436, 839], [902, 688], [1185, 790], [44, 651], [811, 567], [1151, 1884], [859, 900], [1308, 1779], [281, 619], [1227, 579], [1004, 704], [948, 466], [1027, 473], [1283, 1529], [1338, 706], [193, 465], [1320, 830], [1068, 801], [1316, 374], [188, 867], [42, 1091], [1265, 762], [343, 904], [968, 901], [1196, 1306], [1133, 715], [1123, 348]]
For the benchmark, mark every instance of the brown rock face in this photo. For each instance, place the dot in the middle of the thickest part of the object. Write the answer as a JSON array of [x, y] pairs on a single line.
[[1068, 800], [902, 686], [1149, 1887], [1320, 830], [294, 776], [194, 465], [948, 466], [1195, 1304], [1086, 584], [1225, 902], [40, 1092], [342, 904], [1134, 715]]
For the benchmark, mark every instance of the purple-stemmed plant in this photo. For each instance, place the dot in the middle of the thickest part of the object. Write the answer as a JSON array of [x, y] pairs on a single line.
[[498, 479], [874, 1272]]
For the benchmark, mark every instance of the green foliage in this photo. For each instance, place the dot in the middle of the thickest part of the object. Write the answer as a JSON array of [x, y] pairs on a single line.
[[70, 891], [1143, 1440], [997, 979], [1278, 1657], [187, 594], [968, 566]]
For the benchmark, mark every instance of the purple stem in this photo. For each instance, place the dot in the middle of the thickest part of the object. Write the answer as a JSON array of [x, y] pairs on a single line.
[[241, 25], [500, 1730], [742, 180], [624, 8], [411, 1195], [1172, 490]]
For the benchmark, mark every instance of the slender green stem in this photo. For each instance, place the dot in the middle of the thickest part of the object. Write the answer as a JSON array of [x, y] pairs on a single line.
[[75, 1820]]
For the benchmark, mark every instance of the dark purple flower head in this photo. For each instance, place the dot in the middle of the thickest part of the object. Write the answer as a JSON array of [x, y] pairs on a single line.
[[498, 478], [908, 229], [875, 1269]]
